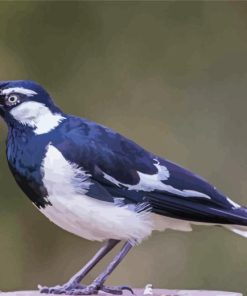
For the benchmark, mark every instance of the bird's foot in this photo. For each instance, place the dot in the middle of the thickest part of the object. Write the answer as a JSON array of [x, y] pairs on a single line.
[[78, 289], [117, 290], [61, 289], [94, 289]]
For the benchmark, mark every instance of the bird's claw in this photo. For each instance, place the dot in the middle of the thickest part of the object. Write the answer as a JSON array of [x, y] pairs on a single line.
[[116, 290], [89, 290]]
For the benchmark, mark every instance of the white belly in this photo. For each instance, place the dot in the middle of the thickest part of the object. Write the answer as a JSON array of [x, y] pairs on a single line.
[[97, 220]]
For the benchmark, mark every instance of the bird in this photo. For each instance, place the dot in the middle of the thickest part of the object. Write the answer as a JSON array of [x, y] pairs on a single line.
[[99, 185]]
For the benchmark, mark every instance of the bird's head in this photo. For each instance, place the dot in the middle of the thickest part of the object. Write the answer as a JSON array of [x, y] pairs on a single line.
[[26, 104]]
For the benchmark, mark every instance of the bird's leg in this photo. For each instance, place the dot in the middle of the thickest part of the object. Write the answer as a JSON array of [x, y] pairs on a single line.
[[74, 282], [89, 266], [98, 283]]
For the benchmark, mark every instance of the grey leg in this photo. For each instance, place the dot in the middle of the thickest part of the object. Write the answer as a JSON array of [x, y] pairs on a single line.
[[98, 283], [97, 257], [73, 283]]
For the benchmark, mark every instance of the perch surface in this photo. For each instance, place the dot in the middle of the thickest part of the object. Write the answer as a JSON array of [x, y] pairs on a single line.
[[139, 292]]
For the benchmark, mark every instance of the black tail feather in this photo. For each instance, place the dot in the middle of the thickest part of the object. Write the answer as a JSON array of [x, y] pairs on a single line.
[[185, 209]]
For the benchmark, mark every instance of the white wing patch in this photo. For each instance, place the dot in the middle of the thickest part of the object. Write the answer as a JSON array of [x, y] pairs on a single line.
[[74, 211], [233, 203], [36, 115], [20, 90], [154, 182]]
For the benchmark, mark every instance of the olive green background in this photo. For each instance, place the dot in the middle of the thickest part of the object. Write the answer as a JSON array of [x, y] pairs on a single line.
[[170, 75]]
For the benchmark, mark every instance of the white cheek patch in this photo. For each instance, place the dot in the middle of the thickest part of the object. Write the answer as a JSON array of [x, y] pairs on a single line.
[[36, 115], [20, 90]]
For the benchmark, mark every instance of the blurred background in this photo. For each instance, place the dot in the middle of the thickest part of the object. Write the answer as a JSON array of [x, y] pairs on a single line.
[[170, 75]]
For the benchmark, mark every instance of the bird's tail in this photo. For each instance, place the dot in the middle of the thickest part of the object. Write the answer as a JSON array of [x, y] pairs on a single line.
[[241, 228], [238, 229]]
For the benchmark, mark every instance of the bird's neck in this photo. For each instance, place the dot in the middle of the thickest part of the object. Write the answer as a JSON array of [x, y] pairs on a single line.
[[46, 122]]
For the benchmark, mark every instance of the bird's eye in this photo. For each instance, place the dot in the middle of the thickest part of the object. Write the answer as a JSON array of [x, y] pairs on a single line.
[[13, 99]]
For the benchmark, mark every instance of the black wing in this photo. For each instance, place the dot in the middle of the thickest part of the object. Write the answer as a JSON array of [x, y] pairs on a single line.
[[121, 168]]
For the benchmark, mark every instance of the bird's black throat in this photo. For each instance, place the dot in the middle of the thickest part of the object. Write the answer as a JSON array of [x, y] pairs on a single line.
[[25, 154]]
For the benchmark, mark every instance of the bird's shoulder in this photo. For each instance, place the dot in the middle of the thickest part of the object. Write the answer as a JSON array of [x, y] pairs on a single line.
[[101, 150], [113, 159], [82, 131]]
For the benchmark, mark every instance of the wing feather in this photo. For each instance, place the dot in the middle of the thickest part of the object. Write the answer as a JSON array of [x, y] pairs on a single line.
[[124, 169]]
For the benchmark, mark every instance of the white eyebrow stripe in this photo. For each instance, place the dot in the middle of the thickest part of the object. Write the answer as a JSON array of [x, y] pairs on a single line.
[[20, 90]]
